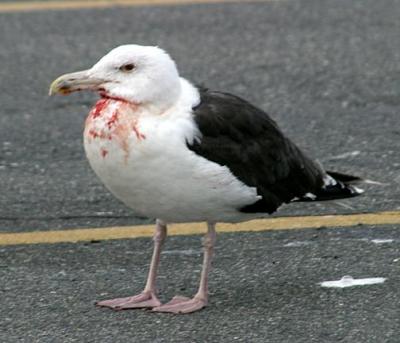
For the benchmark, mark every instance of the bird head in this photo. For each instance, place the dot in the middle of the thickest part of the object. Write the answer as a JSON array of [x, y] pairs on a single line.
[[143, 75]]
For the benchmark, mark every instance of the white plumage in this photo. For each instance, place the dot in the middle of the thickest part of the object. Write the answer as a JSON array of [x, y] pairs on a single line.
[[149, 167]]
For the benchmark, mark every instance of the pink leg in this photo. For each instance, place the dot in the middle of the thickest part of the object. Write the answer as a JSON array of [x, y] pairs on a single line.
[[180, 304], [148, 298]]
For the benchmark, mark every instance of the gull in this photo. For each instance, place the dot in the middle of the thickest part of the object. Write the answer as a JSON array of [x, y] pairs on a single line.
[[179, 153]]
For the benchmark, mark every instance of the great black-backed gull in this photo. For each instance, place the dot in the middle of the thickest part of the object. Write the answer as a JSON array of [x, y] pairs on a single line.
[[180, 153]]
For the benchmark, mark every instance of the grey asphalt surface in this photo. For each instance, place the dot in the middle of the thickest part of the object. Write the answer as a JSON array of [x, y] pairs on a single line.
[[327, 71], [262, 290]]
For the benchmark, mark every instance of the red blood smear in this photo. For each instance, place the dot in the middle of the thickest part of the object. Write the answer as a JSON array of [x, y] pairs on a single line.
[[103, 152], [93, 133], [114, 118], [139, 135], [102, 135], [99, 107], [104, 95]]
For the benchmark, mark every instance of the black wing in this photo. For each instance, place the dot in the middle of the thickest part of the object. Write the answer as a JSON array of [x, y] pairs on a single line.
[[242, 137]]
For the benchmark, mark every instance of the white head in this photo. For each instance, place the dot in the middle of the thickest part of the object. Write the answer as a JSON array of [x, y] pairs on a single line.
[[144, 75]]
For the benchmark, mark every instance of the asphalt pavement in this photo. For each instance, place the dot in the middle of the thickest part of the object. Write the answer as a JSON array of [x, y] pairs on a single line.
[[264, 288], [327, 71]]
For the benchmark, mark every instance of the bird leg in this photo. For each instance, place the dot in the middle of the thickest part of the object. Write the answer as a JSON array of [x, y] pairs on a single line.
[[147, 298], [180, 304]]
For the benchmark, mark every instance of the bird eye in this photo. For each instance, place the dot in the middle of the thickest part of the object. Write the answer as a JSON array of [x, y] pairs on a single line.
[[127, 67]]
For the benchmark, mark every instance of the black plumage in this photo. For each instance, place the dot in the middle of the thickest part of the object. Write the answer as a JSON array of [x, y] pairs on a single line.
[[244, 138]]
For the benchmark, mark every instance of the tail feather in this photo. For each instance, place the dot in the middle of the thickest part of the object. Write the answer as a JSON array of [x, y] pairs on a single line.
[[345, 178], [336, 186]]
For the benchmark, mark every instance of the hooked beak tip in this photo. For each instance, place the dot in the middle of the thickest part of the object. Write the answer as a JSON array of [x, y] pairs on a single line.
[[61, 85]]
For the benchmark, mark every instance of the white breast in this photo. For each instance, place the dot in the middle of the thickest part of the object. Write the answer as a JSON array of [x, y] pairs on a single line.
[[144, 161]]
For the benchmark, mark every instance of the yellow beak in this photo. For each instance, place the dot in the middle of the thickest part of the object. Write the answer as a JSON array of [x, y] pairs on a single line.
[[72, 82]]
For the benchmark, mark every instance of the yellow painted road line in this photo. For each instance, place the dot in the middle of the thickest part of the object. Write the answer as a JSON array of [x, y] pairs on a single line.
[[285, 223], [28, 6]]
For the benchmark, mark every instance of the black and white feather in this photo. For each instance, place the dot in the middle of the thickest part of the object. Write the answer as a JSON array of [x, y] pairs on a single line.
[[244, 138]]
